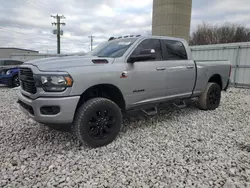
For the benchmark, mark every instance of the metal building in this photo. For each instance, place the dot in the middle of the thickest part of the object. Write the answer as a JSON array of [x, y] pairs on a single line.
[[5, 53], [172, 18], [237, 53]]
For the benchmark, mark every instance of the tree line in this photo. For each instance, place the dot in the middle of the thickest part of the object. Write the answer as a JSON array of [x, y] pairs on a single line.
[[217, 34]]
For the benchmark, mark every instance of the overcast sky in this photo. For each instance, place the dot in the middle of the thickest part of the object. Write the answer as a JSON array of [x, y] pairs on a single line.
[[27, 23]]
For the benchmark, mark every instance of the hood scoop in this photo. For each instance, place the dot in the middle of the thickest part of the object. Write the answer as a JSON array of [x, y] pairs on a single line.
[[100, 61]]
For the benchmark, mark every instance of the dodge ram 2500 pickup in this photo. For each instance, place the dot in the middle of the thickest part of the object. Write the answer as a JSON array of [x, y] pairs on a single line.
[[90, 92]]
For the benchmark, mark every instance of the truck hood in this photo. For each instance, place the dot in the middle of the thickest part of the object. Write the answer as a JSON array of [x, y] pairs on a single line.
[[63, 63]]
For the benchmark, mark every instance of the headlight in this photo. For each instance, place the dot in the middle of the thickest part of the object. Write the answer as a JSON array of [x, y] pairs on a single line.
[[8, 72], [54, 83]]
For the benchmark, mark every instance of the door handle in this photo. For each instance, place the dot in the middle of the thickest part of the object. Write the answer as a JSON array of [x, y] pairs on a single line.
[[161, 68], [189, 67]]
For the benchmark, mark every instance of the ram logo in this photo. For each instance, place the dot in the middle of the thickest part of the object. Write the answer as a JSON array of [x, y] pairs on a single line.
[[138, 91]]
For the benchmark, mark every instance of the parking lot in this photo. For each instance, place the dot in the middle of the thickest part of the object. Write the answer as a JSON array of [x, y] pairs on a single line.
[[184, 148]]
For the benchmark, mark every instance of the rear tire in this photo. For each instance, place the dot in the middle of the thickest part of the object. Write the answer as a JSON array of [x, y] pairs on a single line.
[[97, 122], [210, 98]]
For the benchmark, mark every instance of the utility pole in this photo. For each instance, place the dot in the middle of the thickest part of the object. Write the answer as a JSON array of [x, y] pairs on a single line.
[[58, 30], [91, 42]]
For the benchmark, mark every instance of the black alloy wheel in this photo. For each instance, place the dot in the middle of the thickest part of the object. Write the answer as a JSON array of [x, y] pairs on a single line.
[[97, 122], [214, 96], [101, 123], [15, 81], [210, 98]]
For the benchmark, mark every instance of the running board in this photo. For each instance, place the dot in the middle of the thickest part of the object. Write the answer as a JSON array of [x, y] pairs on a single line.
[[152, 112], [155, 110], [180, 105]]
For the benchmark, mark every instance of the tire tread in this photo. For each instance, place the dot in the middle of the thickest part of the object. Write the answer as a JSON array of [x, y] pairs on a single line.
[[80, 113], [203, 98]]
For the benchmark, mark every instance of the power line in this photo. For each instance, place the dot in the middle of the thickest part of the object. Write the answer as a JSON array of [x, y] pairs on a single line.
[[42, 3], [39, 7], [12, 31], [40, 37], [58, 31], [25, 34]]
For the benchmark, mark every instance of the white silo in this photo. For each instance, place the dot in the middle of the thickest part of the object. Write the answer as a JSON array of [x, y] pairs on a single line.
[[172, 18]]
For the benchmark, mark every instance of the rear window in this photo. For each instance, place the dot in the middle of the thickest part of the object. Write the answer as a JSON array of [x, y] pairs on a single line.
[[175, 50]]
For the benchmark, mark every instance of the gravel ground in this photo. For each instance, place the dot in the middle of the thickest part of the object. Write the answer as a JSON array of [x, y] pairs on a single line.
[[188, 148]]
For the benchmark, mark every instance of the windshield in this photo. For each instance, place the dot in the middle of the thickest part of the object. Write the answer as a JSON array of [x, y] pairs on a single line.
[[114, 48]]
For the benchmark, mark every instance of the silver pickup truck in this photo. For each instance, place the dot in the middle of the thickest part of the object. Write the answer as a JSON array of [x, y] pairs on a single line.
[[91, 92]]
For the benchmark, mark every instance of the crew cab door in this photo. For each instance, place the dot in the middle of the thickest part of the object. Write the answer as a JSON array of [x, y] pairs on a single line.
[[146, 79], [180, 72]]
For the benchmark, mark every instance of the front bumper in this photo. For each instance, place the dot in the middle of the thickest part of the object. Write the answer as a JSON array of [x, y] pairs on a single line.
[[32, 108]]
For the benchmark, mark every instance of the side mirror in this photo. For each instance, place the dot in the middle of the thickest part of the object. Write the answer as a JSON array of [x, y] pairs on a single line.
[[145, 54]]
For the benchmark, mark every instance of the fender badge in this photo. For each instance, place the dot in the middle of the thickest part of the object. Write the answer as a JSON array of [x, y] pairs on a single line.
[[124, 74]]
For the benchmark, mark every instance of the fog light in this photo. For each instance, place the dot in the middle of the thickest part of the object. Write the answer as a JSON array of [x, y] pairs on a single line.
[[50, 110]]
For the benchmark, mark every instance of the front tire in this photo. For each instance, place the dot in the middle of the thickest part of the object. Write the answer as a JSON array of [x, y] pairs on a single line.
[[15, 81], [97, 122], [210, 98]]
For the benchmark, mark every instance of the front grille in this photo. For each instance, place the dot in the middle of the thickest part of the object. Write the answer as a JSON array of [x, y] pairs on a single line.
[[27, 80]]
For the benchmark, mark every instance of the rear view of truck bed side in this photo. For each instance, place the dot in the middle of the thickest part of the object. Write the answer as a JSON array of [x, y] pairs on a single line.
[[211, 71]]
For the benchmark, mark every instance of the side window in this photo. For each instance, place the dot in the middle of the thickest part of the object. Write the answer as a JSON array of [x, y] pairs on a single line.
[[1, 62], [150, 44], [175, 50]]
